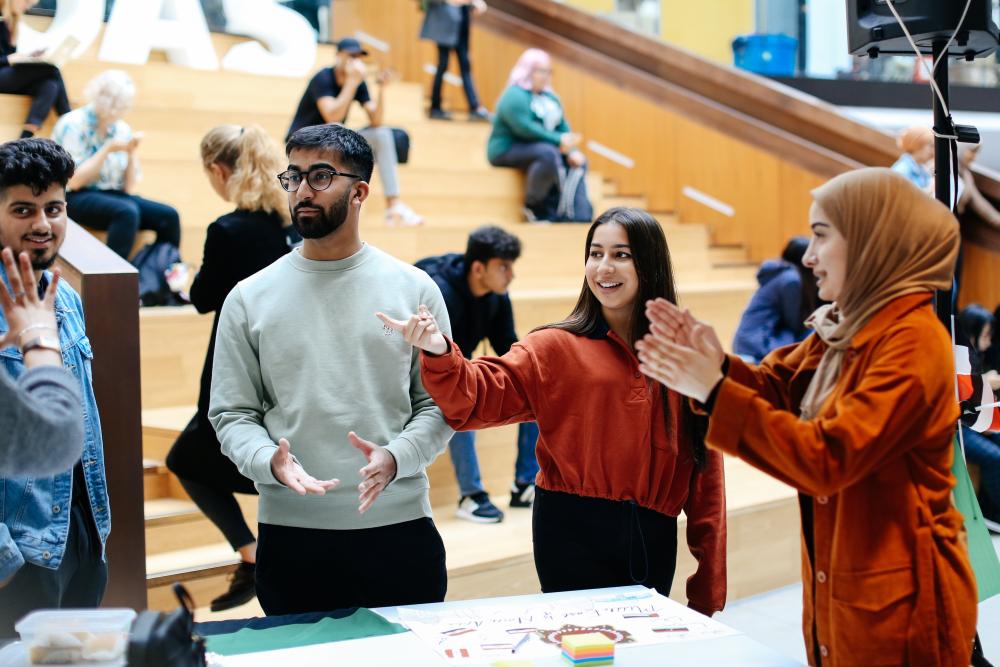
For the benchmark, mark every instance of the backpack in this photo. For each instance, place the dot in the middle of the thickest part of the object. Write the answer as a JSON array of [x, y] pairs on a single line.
[[153, 263]]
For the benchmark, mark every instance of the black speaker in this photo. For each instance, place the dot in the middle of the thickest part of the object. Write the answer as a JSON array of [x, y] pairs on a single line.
[[873, 30]]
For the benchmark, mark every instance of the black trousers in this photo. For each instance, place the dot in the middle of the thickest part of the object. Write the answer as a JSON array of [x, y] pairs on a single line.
[[211, 479], [45, 85], [306, 570], [79, 581], [594, 543], [464, 65], [123, 215]]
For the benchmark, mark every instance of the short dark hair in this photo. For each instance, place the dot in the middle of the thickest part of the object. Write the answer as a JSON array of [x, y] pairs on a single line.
[[37, 163], [488, 242], [350, 146]]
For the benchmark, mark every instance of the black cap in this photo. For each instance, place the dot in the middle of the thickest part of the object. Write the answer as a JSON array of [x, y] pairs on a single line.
[[352, 46]]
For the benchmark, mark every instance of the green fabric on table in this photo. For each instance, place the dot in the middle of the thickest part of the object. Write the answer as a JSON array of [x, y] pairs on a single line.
[[360, 624]]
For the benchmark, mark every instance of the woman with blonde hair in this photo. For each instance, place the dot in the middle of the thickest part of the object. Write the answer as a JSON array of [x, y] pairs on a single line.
[[860, 418], [241, 164], [25, 73], [105, 149]]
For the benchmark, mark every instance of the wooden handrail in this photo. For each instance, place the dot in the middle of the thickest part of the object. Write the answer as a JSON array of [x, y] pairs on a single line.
[[109, 288]]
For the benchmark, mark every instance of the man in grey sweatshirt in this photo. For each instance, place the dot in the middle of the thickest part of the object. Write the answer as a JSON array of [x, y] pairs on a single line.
[[303, 365]]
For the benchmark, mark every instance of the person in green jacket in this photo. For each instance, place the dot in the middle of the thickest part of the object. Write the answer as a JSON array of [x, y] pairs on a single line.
[[530, 133]]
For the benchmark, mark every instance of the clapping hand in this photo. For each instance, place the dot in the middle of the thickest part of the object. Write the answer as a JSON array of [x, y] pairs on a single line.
[[289, 471], [375, 476], [420, 330], [680, 351]]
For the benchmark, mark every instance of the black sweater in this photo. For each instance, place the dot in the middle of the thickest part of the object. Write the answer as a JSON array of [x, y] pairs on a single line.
[[237, 245], [472, 318]]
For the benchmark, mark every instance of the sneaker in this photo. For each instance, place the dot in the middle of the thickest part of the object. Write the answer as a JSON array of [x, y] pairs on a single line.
[[402, 215], [478, 508], [241, 588], [439, 114], [522, 495], [480, 115]]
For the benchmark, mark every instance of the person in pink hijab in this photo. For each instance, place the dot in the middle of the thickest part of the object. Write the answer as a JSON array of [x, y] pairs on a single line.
[[530, 133]]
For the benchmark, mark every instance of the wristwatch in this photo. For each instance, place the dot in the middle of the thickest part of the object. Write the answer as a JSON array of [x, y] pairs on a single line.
[[42, 343]]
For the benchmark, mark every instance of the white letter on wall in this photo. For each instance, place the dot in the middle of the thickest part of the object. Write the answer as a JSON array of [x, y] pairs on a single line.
[[81, 19], [290, 40], [175, 26]]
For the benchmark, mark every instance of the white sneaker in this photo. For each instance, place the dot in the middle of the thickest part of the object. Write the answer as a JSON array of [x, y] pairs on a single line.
[[479, 508], [402, 215]]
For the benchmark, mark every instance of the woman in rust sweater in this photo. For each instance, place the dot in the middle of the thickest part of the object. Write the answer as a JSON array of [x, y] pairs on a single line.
[[619, 455], [859, 418]]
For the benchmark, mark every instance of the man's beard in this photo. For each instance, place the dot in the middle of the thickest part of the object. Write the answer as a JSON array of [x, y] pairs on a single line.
[[40, 260], [326, 222]]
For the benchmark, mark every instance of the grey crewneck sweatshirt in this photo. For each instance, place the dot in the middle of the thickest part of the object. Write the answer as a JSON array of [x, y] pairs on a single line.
[[300, 355]]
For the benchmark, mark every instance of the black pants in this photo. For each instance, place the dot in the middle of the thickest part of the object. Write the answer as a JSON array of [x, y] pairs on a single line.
[[464, 65], [123, 215], [594, 543], [540, 161], [305, 569], [211, 479], [78, 582], [45, 85]]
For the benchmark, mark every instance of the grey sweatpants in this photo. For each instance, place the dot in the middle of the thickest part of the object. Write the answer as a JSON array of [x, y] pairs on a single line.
[[384, 148]]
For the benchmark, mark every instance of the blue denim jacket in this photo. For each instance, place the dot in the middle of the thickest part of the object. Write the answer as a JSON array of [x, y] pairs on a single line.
[[35, 511]]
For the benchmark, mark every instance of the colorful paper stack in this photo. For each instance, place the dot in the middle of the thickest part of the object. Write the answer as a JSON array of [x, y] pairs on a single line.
[[588, 649]]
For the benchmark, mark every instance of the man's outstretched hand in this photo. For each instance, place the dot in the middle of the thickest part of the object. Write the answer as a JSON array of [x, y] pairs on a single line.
[[289, 471], [375, 476]]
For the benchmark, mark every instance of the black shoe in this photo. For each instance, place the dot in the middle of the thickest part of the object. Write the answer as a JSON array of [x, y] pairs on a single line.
[[522, 495], [439, 114], [241, 588]]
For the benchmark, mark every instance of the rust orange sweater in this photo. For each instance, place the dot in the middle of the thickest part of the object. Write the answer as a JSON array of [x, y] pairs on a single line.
[[601, 433]]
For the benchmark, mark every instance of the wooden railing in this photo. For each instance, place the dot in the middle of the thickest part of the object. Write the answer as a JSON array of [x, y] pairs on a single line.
[[108, 286]]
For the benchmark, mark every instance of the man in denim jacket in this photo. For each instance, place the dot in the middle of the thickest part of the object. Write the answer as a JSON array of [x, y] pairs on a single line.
[[52, 529]]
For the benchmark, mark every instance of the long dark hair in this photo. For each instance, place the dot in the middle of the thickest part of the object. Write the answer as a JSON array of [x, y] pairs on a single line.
[[809, 300], [970, 323], [654, 269]]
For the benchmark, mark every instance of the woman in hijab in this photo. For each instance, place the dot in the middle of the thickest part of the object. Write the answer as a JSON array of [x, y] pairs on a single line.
[[530, 133], [860, 418]]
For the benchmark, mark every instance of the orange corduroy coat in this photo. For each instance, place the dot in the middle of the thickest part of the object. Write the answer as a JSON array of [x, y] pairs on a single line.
[[885, 569]]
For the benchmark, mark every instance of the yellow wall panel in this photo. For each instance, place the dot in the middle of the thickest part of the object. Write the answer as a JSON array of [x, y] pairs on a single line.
[[707, 28]]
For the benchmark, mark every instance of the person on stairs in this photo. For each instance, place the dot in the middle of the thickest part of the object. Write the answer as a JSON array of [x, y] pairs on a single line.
[[26, 73], [446, 23], [530, 133], [240, 163], [474, 286], [328, 99], [101, 193]]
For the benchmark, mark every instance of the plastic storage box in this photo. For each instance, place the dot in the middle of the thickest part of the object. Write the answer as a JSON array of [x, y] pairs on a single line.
[[76, 636], [770, 55]]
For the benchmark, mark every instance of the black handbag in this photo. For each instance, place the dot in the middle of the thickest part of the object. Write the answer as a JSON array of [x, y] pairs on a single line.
[[167, 640], [402, 141]]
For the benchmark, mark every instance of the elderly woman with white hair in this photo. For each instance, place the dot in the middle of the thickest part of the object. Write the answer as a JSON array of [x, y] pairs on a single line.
[[100, 194]]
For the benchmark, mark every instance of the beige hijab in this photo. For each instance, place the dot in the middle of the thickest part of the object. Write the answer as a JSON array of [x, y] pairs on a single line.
[[899, 241]]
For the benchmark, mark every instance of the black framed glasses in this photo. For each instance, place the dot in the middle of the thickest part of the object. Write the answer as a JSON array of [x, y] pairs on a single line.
[[318, 178]]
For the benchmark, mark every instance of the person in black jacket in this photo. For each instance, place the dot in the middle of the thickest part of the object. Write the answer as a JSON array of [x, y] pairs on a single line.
[[474, 286], [27, 73], [241, 164]]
